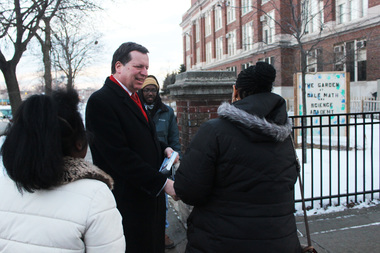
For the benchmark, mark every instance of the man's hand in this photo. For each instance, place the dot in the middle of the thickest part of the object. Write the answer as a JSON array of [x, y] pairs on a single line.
[[168, 153], [169, 189]]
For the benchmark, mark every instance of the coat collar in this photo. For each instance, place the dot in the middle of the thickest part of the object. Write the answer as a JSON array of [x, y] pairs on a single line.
[[254, 122], [77, 168]]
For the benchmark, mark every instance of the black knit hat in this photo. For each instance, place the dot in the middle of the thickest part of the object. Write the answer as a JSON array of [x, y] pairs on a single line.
[[257, 78]]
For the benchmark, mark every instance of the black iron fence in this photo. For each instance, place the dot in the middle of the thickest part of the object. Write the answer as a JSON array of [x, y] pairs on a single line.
[[340, 156]]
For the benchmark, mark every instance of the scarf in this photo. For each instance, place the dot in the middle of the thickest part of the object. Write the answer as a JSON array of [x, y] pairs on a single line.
[[78, 168]]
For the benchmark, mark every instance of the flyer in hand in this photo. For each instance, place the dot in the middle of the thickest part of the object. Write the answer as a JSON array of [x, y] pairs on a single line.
[[168, 163]]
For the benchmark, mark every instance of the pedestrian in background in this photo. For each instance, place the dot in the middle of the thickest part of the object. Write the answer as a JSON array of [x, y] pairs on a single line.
[[239, 173], [125, 145], [165, 122], [52, 200]]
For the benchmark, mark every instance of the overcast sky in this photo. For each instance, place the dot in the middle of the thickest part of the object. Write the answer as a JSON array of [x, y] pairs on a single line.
[[151, 23]]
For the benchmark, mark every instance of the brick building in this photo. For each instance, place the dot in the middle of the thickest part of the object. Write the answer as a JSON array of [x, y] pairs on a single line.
[[340, 35]]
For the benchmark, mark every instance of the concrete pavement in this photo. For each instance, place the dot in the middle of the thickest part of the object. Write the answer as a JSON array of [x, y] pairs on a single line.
[[176, 230], [352, 230], [349, 231]]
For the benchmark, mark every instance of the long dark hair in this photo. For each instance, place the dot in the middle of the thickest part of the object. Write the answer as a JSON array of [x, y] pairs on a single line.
[[38, 139]]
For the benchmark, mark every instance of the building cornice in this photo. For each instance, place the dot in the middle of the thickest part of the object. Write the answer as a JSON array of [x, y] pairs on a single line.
[[197, 10]]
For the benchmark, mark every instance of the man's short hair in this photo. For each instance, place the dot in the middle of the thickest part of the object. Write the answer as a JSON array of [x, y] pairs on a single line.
[[122, 54]]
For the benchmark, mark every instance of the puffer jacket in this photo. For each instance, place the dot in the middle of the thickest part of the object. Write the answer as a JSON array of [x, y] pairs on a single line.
[[239, 174], [78, 216]]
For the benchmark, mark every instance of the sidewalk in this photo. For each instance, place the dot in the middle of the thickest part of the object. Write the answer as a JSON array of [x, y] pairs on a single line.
[[176, 230], [352, 230]]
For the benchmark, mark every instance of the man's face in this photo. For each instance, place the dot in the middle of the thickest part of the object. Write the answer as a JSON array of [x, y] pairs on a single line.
[[150, 93], [133, 74]]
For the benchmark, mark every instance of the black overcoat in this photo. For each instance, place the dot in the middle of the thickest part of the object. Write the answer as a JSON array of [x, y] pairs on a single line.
[[125, 146], [239, 174]]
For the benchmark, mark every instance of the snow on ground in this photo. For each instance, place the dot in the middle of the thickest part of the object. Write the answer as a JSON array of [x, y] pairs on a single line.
[[362, 170]]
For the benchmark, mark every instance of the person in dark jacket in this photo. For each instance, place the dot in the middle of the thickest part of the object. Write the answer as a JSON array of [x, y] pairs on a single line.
[[239, 173], [165, 122], [125, 145], [162, 114]]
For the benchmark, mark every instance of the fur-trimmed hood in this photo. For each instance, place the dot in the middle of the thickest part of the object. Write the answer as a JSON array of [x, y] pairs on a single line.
[[254, 122], [78, 168]]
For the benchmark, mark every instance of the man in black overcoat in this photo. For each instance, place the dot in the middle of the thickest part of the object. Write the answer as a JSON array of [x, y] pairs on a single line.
[[125, 145]]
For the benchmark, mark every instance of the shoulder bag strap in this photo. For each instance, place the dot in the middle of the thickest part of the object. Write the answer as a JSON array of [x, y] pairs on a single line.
[[309, 246]]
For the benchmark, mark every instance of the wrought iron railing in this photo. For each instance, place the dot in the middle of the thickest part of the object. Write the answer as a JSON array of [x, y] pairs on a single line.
[[340, 156]]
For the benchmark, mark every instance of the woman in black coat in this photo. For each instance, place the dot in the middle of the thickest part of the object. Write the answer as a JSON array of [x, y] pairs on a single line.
[[239, 173]]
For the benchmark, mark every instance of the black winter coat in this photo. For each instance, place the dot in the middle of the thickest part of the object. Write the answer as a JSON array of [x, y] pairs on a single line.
[[125, 146], [239, 174]]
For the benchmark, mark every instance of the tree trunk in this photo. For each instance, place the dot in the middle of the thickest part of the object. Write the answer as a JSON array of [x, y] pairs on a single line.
[[46, 50], [69, 82], [70, 77], [9, 72]]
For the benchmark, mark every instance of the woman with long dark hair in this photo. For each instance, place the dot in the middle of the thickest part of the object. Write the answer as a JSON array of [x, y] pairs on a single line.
[[52, 200]]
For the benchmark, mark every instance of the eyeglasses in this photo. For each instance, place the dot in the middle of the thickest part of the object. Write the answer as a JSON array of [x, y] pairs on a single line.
[[150, 90]]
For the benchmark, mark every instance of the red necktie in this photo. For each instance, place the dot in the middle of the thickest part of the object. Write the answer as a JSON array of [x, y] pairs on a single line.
[[135, 98]]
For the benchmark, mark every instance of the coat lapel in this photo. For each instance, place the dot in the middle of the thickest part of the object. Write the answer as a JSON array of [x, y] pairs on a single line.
[[127, 100]]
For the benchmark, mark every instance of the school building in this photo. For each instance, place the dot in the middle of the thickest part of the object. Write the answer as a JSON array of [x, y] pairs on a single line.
[[335, 35]]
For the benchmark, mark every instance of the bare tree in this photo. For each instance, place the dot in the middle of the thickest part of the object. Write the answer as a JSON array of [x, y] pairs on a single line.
[[68, 10], [46, 43], [301, 17], [19, 22], [74, 47]]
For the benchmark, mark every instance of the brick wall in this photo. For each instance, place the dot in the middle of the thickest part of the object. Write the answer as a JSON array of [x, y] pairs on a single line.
[[198, 94], [191, 114]]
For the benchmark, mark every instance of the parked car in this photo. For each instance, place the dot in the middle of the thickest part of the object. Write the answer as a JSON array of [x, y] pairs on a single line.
[[5, 117]]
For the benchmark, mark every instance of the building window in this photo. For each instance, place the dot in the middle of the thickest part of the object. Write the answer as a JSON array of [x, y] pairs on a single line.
[[247, 36], [269, 60], [246, 6], [361, 60], [208, 52], [188, 62], [231, 16], [264, 2], [231, 43], [218, 19], [349, 10], [219, 48], [350, 7], [312, 15], [208, 24], [320, 62], [340, 13], [352, 57], [268, 25], [314, 60], [233, 69], [339, 57], [187, 35], [198, 55], [197, 31], [246, 65]]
